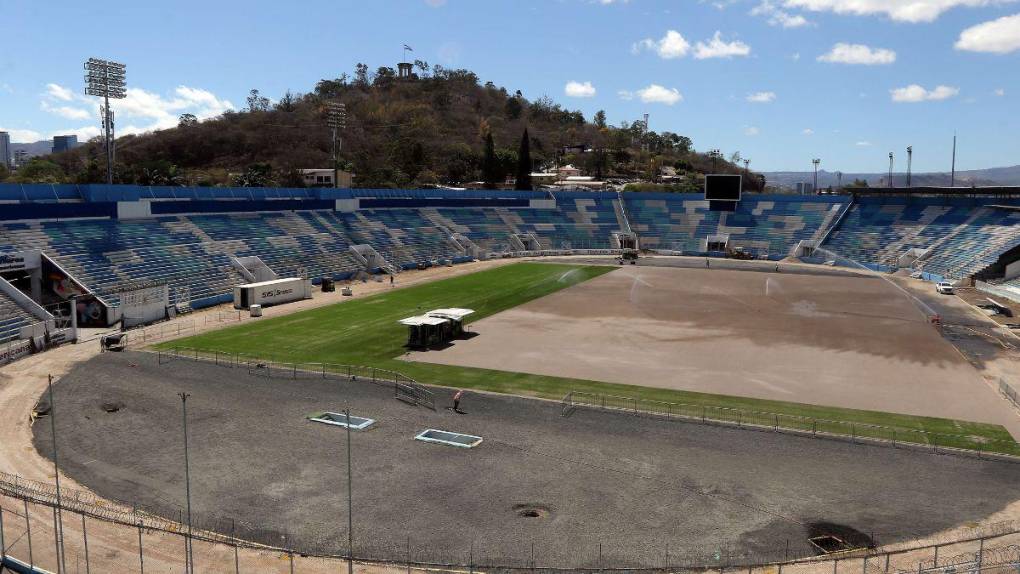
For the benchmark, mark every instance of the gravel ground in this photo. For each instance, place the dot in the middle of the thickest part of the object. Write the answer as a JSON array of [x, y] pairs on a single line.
[[637, 486]]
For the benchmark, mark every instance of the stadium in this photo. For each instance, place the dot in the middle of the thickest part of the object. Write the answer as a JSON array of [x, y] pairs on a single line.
[[651, 381]]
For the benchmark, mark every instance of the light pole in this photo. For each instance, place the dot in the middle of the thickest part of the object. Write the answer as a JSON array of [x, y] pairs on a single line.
[[816, 161], [910, 161], [715, 155], [337, 120], [58, 532], [107, 80], [188, 559], [890, 169], [350, 503], [839, 180]]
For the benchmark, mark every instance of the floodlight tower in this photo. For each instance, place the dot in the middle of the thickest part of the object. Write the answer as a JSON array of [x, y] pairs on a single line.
[[816, 161], [910, 161], [337, 120], [107, 80], [890, 169]]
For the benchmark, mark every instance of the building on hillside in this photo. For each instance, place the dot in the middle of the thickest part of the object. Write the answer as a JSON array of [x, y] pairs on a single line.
[[20, 158], [324, 178], [544, 178], [567, 171], [5, 150], [64, 143], [580, 182]]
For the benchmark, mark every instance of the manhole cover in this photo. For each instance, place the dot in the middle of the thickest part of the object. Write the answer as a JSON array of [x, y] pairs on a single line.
[[531, 510], [112, 407]]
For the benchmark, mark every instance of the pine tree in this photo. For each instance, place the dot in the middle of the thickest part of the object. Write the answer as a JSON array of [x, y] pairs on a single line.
[[489, 165], [524, 163]]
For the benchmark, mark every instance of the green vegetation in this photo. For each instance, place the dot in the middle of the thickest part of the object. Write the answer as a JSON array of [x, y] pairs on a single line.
[[365, 332], [401, 132]]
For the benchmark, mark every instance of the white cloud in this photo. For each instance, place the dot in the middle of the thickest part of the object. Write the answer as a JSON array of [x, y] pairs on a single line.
[[718, 48], [22, 136], [900, 10], [915, 93], [778, 17], [1000, 36], [761, 97], [60, 92], [654, 94], [751, 131], [999, 92], [66, 111], [858, 54], [579, 89], [808, 132], [795, 56], [672, 45], [863, 144]]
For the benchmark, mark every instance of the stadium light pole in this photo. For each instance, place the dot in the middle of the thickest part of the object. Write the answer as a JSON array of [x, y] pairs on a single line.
[[188, 559], [910, 161], [839, 180], [890, 182], [337, 120], [815, 162], [107, 80]]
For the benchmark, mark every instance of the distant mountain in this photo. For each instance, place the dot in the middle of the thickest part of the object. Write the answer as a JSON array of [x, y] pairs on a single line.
[[34, 149], [978, 177]]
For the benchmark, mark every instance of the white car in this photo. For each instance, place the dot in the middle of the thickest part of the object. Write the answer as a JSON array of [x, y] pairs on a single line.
[[944, 287]]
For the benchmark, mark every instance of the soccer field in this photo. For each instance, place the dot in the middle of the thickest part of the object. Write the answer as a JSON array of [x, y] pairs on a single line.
[[365, 332]]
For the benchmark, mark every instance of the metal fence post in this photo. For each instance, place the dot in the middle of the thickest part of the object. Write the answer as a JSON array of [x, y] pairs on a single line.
[[141, 553], [864, 568], [28, 530], [981, 554], [3, 547], [936, 561], [471, 550], [887, 563], [290, 556], [85, 537], [408, 554]]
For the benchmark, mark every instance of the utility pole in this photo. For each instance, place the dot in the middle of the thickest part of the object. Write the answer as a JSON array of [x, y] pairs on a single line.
[[816, 161], [188, 558], [107, 80], [910, 161], [58, 531], [337, 120], [350, 503], [890, 169], [952, 178]]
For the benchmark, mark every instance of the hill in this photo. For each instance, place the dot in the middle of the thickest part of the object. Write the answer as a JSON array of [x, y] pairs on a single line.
[[428, 129]]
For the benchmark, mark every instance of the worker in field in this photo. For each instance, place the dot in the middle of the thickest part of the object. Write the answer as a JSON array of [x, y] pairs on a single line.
[[456, 401]]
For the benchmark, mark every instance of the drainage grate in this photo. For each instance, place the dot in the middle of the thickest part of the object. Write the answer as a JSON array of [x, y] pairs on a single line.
[[340, 420], [449, 438], [829, 544]]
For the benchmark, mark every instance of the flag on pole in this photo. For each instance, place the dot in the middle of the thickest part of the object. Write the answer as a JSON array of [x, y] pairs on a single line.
[[408, 48]]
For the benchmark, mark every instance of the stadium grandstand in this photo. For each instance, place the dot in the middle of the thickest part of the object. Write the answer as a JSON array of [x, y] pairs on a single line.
[[95, 242]]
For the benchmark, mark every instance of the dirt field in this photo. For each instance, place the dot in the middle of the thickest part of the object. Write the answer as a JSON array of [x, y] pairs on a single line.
[[632, 484], [827, 339]]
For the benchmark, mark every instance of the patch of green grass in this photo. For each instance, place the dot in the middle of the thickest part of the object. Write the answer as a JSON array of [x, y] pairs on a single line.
[[365, 332]]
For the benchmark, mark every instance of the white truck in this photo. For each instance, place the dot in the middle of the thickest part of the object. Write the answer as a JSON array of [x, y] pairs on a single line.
[[273, 292]]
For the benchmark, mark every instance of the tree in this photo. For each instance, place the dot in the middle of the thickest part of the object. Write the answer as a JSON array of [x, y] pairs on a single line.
[[256, 102], [490, 166], [187, 120], [513, 108], [287, 102], [361, 75], [600, 119], [39, 170], [524, 163], [256, 175]]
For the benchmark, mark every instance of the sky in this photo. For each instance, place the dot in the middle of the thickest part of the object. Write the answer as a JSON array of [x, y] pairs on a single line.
[[780, 81]]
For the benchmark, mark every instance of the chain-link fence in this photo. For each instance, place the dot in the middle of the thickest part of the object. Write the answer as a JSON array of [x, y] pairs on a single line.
[[856, 432], [83, 534], [405, 388]]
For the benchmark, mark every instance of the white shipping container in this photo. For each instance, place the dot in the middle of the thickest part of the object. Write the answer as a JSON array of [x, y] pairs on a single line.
[[273, 292]]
